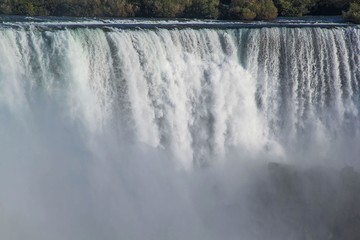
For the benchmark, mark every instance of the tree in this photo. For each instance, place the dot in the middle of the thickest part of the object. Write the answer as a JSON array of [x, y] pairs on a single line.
[[6, 7], [24, 7], [267, 10], [117, 8], [253, 9], [353, 14], [294, 7], [163, 8], [203, 9]]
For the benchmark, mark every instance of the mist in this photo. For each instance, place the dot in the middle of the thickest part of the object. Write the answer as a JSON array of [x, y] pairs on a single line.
[[179, 134], [57, 185]]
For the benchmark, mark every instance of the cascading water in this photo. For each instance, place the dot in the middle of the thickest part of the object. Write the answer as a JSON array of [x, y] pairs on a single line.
[[105, 131]]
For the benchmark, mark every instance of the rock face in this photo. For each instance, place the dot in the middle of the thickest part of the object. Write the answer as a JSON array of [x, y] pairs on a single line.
[[315, 203]]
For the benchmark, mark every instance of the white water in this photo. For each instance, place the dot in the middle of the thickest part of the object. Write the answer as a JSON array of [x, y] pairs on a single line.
[[104, 133]]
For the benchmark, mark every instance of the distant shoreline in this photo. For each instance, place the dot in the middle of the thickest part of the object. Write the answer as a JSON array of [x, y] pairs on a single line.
[[189, 9]]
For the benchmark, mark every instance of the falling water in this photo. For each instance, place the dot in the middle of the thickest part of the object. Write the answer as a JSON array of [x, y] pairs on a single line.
[[104, 129]]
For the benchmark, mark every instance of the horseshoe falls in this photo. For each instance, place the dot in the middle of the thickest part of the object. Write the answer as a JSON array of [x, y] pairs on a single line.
[[249, 132]]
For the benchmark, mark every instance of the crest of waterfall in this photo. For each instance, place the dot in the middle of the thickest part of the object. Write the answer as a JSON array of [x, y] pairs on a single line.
[[195, 93]]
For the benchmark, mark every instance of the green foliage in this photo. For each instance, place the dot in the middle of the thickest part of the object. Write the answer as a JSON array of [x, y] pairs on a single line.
[[253, 9], [117, 8], [267, 10], [240, 13], [294, 7], [227, 9], [203, 9], [353, 14], [25, 7], [164, 8]]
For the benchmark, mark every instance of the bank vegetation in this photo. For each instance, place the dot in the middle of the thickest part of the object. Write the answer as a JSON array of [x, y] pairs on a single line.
[[208, 9]]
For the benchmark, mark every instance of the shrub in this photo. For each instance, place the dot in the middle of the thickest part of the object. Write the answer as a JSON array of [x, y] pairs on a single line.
[[253, 9], [24, 7], [267, 10], [353, 14], [242, 13], [163, 8], [294, 7], [6, 7], [116, 8], [203, 9]]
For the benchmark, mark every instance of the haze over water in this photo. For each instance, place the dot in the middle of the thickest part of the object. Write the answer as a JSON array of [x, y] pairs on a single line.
[[115, 132]]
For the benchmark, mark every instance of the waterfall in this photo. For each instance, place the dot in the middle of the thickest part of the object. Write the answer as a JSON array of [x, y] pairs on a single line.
[[195, 93], [78, 105]]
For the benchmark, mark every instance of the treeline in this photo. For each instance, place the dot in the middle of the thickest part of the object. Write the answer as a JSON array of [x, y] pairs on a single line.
[[113, 8], [211, 9]]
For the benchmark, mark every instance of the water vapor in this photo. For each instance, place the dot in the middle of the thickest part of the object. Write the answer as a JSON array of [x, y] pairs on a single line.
[[179, 133]]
